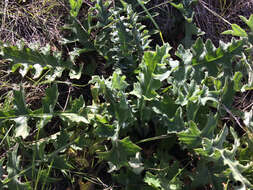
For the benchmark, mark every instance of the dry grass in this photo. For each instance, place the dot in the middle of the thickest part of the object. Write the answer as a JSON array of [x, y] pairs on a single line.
[[31, 21]]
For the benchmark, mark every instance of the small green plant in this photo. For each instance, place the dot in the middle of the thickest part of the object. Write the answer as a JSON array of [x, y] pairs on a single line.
[[119, 36]]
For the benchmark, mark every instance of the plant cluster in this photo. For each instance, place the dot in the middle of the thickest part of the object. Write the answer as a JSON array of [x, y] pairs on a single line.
[[154, 121]]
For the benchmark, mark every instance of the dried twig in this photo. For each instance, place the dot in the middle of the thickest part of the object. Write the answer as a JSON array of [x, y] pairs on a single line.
[[234, 117]]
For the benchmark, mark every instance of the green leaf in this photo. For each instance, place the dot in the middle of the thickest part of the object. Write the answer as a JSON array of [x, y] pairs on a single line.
[[113, 91], [161, 106], [228, 93], [207, 175], [163, 76], [149, 67], [185, 8], [215, 151], [75, 6], [78, 34], [221, 138], [191, 136], [121, 152], [185, 54], [62, 139], [14, 171], [152, 180], [236, 31], [38, 71], [176, 124], [76, 73], [38, 60], [118, 82], [234, 165], [137, 91], [60, 163], [248, 22], [192, 109], [136, 164], [44, 119], [121, 43], [77, 105], [22, 128], [49, 102], [105, 130], [73, 118], [198, 50], [211, 124], [130, 180], [19, 102], [248, 121], [205, 60], [237, 81], [211, 51], [1, 167], [168, 174]]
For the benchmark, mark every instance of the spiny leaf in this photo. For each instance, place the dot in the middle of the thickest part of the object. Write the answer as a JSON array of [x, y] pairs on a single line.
[[211, 124], [121, 152], [176, 124], [152, 180], [203, 58], [192, 109], [235, 167], [73, 117], [26, 59], [22, 128], [118, 82], [207, 175], [185, 54], [75, 6], [198, 50], [185, 8], [215, 150], [150, 68], [247, 119], [237, 81], [77, 105], [13, 169], [249, 22], [221, 138], [48, 103], [113, 90], [76, 73], [228, 93], [105, 130], [62, 139], [19, 102], [122, 43], [236, 31], [191, 137], [78, 34]]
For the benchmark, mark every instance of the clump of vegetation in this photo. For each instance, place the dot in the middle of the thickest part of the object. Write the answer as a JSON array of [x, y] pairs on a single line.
[[149, 117]]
